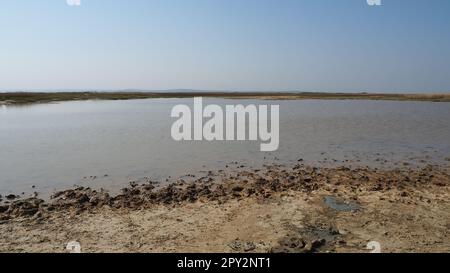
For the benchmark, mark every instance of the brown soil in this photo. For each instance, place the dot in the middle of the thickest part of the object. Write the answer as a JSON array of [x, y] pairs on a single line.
[[277, 209]]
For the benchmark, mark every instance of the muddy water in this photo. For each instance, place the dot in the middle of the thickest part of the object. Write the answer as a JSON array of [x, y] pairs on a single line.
[[108, 143], [340, 205]]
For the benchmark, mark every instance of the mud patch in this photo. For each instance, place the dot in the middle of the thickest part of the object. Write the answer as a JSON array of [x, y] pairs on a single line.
[[340, 205], [309, 239]]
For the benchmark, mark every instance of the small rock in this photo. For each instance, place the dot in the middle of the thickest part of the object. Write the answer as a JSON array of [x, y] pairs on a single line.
[[3, 209], [238, 189], [343, 232], [334, 230], [235, 245], [11, 197], [37, 215], [318, 243], [249, 246]]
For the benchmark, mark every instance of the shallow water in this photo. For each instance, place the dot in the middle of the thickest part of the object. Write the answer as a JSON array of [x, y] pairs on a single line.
[[340, 205], [108, 143]]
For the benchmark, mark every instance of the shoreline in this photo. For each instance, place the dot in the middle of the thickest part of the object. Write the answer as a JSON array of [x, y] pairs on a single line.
[[23, 98], [298, 208]]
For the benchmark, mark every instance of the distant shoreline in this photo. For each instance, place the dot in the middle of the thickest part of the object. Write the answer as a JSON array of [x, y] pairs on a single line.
[[18, 98]]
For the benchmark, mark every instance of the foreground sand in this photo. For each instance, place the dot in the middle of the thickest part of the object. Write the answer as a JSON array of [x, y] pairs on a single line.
[[278, 209]]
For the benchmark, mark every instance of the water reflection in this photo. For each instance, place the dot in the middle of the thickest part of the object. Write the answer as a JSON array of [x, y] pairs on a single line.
[[54, 146]]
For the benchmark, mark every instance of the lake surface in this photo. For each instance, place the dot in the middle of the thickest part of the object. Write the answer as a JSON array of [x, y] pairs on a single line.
[[108, 143]]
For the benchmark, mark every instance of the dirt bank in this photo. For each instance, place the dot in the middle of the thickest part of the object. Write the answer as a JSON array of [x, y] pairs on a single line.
[[18, 98], [278, 209]]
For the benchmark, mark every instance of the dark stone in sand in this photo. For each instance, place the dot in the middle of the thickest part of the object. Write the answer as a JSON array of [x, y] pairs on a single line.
[[11, 197], [317, 244], [3, 209]]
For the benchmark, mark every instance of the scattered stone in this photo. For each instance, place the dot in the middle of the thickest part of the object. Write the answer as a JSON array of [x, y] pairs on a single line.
[[249, 246], [3, 209], [317, 244], [290, 244], [334, 230], [238, 189], [262, 184], [235, 245], [27, 207], [11, 197]]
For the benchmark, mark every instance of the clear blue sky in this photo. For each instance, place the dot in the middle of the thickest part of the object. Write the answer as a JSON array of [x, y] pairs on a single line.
[[306, 45]]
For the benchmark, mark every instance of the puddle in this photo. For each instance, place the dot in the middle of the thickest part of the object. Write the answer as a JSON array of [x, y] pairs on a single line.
[[340, 205]]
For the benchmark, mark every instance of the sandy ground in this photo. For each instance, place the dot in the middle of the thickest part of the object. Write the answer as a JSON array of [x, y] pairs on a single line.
[[401, 219]]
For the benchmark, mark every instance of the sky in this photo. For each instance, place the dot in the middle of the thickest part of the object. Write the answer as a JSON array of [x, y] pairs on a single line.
[[242, 45]]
